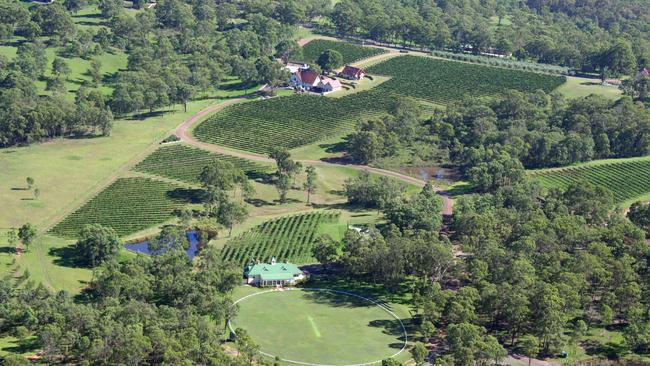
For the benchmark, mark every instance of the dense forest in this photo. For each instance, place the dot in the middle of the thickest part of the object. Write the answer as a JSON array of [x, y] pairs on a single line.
[[609, 36]]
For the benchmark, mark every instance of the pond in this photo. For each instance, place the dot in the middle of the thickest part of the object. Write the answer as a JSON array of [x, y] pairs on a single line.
[[143, 246]]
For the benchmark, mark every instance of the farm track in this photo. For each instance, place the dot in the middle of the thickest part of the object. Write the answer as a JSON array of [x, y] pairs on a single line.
[[184, 134]]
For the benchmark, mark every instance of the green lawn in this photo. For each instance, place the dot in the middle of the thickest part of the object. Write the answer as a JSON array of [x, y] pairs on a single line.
[[575, 87], [319, 327], [70, 171], [111, 62]]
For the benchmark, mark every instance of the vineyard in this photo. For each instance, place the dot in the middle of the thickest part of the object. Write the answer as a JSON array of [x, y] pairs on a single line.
[[626, 179], [445, 81], [288, 238], [290, 121], [185, 163], [350, 52], [128, 205]]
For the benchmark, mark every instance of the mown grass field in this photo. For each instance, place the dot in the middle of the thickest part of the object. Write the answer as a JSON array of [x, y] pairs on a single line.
[[307, 326], [628, 179], [350, 52], [576, 87], [185, 163], [128, 205], [288, 238]]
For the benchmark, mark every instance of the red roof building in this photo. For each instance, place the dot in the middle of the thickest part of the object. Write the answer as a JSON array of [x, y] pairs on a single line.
[[305, 78], [351, 72], [645, 72]]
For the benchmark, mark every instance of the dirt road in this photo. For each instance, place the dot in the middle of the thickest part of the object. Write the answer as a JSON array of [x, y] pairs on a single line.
[[184, 134]]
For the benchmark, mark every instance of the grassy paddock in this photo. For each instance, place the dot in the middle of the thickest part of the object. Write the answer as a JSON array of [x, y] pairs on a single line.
[[576, 87], [71, 171]]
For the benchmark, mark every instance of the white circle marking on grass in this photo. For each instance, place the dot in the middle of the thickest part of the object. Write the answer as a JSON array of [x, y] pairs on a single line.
[[337, 292]]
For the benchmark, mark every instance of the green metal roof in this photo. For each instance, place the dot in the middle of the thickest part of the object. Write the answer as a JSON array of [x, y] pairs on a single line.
[[277, 271]]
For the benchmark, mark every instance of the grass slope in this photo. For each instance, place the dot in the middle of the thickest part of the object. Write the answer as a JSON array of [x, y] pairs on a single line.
[[128, 205], [185, 163], [70, 171], [628, 179], [288, 238], [350, 52], [445, 81], [307, 326]]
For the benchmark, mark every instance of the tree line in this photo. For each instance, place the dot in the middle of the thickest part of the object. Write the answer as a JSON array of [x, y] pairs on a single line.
[[485, 137], [607, 37]]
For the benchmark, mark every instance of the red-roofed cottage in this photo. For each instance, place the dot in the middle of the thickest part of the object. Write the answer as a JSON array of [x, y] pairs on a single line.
[[306, 79], [328, 85], [352, 73]]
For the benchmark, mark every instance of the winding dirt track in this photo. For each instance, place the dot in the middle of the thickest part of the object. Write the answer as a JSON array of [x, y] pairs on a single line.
[[184, 134]]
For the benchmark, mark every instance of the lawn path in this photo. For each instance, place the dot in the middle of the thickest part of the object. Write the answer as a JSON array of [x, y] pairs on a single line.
[[184, 134]]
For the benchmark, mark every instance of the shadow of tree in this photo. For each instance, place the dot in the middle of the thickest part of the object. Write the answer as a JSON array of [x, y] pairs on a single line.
[[7, 250], [188, 195], [68, 257], [26, 345]]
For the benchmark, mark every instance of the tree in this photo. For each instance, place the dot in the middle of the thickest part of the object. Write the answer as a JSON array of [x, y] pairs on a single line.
[[310, 182], [637, 87], [529, 345], [419, 353], [231, 213], [325, 250], [12, 236], [639, 214], [283, 185], [30, 182], [60, 68], [170, 238], [591, 201], [501, 171], [27, 234], [246, 345], [95, 71], [73, 6], [493, 349], [97, 244], [287, 50], [619, 59], [330, 60], [390, 362], [37, 193], [270, 72], [420, 212], [427, 329]]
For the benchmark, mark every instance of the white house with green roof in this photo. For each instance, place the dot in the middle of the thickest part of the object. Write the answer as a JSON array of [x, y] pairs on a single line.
[[273, 274]]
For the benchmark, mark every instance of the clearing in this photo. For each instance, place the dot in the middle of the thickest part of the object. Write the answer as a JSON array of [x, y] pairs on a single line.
[[307, 325]]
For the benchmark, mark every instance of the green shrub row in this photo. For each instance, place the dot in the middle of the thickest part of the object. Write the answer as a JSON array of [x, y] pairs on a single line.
[[444, 81], [186, 163], [350, 52], [288, 238], [626, 179], [128, 205]]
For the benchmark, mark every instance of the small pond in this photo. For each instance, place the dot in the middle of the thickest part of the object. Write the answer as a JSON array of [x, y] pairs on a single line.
[[143, 246]]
